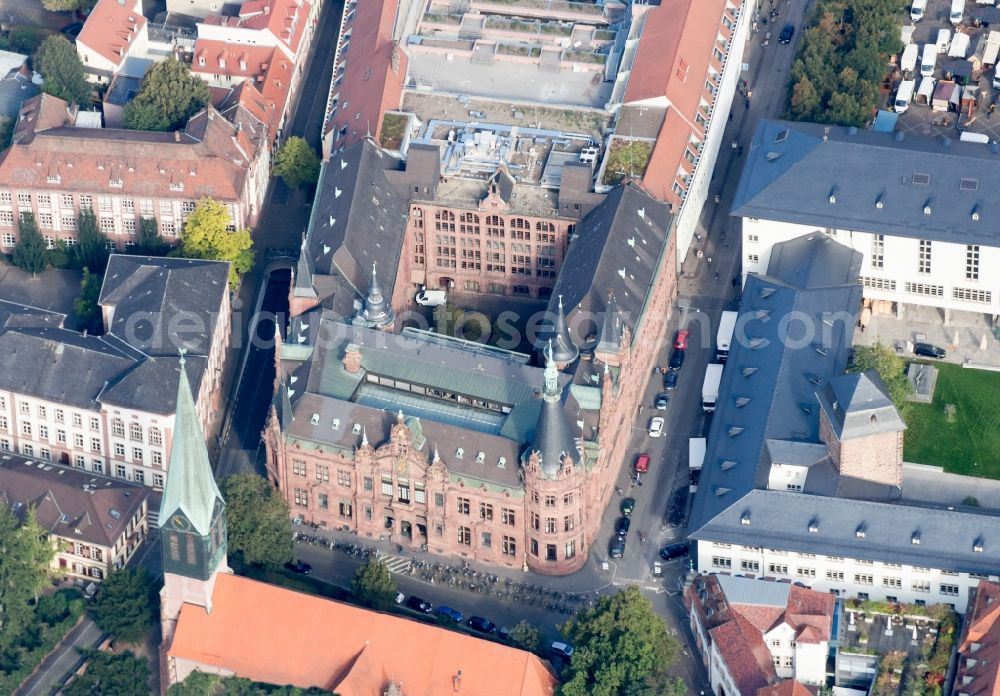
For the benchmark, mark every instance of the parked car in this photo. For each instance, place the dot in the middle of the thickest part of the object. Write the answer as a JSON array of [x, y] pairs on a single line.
[[670, 381], [675, 517], [681, 342], [656, 426], [417, 604], [449, 614], [929, 350], [503, 633], [672, 551], [71, 31], [558, 649], [622, 525], [300, 567], [676, 360], [400, 597], [478, 623], [617, 547], [787, 32], [642, 463], [628, 505], [431, 298], [662, 399]]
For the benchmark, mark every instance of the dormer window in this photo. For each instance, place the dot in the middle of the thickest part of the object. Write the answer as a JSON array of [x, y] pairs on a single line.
[[201, 60], [243, 65], [116, 183], [177, 186]]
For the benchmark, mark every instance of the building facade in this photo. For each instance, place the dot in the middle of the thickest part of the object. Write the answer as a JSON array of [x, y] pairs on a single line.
[[95, 523]]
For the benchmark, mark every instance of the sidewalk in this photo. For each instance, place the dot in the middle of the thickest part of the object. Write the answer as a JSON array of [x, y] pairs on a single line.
[[63, 661]]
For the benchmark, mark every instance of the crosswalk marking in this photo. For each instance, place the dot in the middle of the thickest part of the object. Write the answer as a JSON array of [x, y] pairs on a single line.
[[398, 564]]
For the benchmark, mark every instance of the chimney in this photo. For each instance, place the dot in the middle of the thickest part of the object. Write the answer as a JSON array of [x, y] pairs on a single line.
[[456, 681], [352, 359], [177, 136]]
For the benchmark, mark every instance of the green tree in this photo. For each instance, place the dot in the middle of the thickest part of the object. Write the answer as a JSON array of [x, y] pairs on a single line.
[[206, 236], [29, 252], [149, 243], [805, 99], [168, 96], [26, 554], [85, 307], [258, 521], [621, 646], [58, 255], [91, 250], [60, 65], [126, 604], [373, 585], [525, 636], [110, 673], [889, 366], [296, 163]]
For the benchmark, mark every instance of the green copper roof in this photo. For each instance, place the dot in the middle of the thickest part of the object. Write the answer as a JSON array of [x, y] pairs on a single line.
[[190, 487]]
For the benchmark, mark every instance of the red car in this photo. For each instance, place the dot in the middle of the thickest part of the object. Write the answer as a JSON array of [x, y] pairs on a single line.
[[681, 342], [642, 464]]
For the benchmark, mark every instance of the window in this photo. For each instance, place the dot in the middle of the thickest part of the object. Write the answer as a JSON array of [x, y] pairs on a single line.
[[95, 425], [107, 225], [140, 476], [569, 522], [804, 572], [550, 525], [298, 467], [322, 501], [486, 540], [924, 289], [751, 566], [569, 549], [507, 516], [972, 262], [972, 295], [98, 466], [878, 283], [301, 497], [43, 432], [777, 568], [951, 590], [722, 562], [753, 238], [119, 449], [508, 546], [403, 490], [892, 582], [863, 579], [117, 427], [464, 505], [60, 434], [921, 586], [439, 500], [568, 499], [878, 251], [77, 440], [28, 450], [120, 471], [24, 200], [136, 454], [43, 412], [550, 501], [45, 454], [77, 420], [387, 484], [753, 258], [345, 508], [25, 408], [835, 575], [157, 457], [323, 472], [464, 536], [419, 493], [134, 431], [486, 512], [9, 240], [26, 428], [343, 478], [155, 436], [924, 257], [79, 461], [550, 552], [158, 480]]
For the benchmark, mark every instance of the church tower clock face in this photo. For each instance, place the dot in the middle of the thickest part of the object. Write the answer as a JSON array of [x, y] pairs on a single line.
[[180, 522]]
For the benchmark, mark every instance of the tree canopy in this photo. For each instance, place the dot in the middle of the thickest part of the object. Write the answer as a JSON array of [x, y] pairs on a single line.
[[258, 521], [207, 236], [168, 96], [26, 553], [85, 307], [91, 250], [373, 585], [29, 252], [296, 163], [621, 646], [110, 673], [524, 635], [842, 59], [126, 604], [149, 243], [205, 684], [890, 367], [60, 65]]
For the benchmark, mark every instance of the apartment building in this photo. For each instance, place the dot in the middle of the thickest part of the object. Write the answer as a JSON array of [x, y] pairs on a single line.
[[915, 208], [803, 478], [96, 523], [114, 30], [54, 169], [105, 404], [978, 667]]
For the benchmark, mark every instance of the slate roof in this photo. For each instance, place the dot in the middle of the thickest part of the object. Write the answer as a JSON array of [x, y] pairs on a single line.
[[181, 297], [858, 405], [63, 507], [794, 169], [151, 384], [554, 437], [616, 249]]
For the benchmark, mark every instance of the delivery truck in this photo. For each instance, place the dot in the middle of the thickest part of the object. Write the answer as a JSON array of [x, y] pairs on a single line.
[[727, 327], [710, 388]]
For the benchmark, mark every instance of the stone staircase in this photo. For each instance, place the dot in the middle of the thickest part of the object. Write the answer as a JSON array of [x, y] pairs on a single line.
[[471, 27], [484, 53], [550, 61]]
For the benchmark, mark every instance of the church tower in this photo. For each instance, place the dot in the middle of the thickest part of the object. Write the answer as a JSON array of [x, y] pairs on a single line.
[[192, 518]]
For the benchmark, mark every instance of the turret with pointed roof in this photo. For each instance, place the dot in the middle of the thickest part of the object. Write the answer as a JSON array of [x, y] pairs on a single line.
[[611, 329], [376, 310], [303, 286], [560, 343], [553, 440]]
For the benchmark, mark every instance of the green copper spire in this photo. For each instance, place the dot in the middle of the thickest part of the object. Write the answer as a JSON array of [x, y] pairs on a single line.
[[190, 488]]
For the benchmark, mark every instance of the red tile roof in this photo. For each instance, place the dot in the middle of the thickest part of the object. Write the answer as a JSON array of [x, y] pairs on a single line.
[[373, 77], [275, 635], [111, 27], [746, 657], [788, 687], [979, 650], [811, 613], [284, 19]]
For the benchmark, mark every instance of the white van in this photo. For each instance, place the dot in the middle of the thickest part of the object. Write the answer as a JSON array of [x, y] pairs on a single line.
[[904, 95], [431, 298], [917, 9], [908, 61], [928, 60], [957, 10], [943, 40], [925, 91]]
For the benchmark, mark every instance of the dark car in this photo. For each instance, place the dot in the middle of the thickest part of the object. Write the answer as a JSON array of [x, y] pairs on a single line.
[[786, 34], [617, 547], [670, 381], [71, 31], [628, 505], [672, 551], [300, 567], [676, 360], [450, 614], [662, 399], [417, 604], [676, 516], [928, 350], [622, 525], [478, 623]]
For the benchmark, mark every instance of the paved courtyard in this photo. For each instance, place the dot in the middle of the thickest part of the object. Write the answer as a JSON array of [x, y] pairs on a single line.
[[968, 336]]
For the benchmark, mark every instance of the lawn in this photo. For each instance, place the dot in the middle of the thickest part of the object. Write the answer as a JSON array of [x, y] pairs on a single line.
[[970, 444]]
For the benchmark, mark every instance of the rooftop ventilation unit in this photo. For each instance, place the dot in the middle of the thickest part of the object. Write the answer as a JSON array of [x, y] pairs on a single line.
[[814, 525], [915, 538], [861, 531]]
